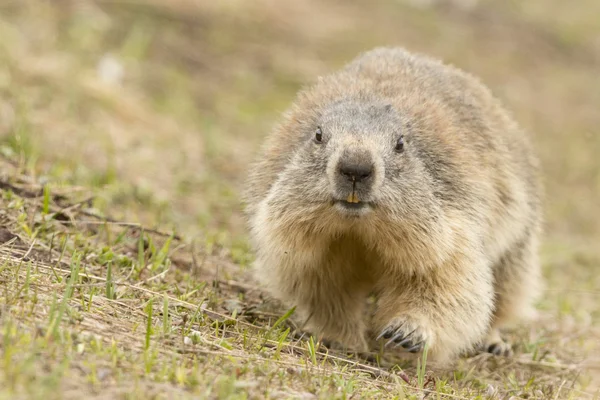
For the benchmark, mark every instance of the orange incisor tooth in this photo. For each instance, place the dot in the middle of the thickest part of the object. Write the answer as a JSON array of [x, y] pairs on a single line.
[[353, 198]]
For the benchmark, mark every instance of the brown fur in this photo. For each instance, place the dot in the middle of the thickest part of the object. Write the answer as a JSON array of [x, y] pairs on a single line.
[[449, 244]]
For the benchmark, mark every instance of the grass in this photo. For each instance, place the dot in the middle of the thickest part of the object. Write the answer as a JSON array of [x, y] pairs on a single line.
[[124, 263]]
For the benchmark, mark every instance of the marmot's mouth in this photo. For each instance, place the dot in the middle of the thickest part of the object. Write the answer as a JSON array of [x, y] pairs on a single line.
[[352, 206], [353, 201]]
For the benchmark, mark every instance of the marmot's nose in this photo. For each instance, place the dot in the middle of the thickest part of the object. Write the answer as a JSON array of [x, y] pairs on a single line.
[[356, 172]]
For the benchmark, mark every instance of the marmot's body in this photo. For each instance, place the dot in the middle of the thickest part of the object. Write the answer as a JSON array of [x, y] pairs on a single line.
[[406, 178]]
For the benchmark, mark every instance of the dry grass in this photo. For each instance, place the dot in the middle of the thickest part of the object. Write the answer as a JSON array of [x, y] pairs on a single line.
[[166, 145]]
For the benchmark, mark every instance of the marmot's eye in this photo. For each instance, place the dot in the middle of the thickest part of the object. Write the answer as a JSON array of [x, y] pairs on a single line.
[[400, 144], [318, 135]]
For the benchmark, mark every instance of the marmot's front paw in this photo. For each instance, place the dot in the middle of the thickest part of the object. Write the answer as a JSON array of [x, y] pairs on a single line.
[[406, 333]]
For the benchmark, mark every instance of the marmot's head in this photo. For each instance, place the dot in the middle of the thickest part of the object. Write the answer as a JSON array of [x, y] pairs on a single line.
[[356, 159]]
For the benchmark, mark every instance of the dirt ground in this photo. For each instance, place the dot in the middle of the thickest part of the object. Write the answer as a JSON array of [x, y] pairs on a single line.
[[126, 130]]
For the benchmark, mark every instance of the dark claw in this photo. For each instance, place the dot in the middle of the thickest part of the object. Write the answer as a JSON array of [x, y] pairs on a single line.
[[497, 350], [386, 334], [416, 348], [407, 342], [400, 335], [494, 348], [401, 339]]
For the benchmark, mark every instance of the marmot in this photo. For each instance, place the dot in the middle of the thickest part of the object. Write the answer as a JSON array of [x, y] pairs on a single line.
[[403, 176]]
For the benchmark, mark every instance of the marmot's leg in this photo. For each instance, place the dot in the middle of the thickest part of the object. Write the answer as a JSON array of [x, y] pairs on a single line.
[[517, 280], [333, 303], [329, 292], [448, 308]]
